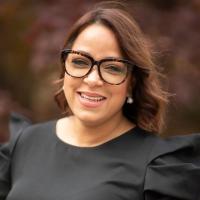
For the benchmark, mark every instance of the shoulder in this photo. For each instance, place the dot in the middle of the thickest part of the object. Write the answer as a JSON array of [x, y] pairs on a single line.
[[24, 132], [173, 168], [175, 145], [38, 132], [161, 146]]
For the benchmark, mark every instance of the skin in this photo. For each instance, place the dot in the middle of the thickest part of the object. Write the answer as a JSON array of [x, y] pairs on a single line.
[[94, 123]]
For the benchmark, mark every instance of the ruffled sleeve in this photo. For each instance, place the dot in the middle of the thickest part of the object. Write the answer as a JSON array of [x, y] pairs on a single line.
[[173, 171], [17, 123]]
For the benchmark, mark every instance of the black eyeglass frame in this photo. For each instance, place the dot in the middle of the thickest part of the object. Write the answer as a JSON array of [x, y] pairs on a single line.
[[65, 52]]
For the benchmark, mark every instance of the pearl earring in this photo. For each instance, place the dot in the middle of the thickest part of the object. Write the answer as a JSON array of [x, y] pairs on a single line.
[[129, 100]]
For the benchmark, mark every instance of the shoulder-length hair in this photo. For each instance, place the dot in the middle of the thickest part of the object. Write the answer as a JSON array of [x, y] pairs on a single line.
[[147, 110]]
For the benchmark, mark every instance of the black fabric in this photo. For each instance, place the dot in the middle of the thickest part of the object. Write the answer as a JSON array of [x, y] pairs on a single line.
[[134, 166], [175, 168], [18, 122]]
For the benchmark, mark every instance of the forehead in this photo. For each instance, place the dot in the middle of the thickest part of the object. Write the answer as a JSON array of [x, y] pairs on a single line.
[[98, 40]]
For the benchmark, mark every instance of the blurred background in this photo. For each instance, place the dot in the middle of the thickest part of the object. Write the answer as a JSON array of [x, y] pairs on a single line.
[[32, 34]]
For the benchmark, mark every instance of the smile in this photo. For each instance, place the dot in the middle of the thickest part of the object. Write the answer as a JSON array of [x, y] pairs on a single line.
[[92, 98]]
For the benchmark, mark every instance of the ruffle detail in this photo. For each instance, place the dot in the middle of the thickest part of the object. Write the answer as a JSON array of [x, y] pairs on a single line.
[[173, 171]]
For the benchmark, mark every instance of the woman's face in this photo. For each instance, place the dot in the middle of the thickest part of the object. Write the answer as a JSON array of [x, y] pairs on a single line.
[[91, 100]]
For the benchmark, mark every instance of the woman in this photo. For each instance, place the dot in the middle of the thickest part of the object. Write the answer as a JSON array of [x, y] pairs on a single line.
[[106, 147]]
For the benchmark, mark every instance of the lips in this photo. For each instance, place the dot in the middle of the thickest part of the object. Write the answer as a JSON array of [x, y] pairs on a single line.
[[89, 99], [92, 98]]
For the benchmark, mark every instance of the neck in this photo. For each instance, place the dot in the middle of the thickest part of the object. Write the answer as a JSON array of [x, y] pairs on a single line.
[[83, 134]]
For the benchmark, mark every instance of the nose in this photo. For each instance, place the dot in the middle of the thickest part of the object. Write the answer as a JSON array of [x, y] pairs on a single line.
[[93, 78]]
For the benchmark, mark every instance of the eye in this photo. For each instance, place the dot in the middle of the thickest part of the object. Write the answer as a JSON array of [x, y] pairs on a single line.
[[115, 69], [80, 62]]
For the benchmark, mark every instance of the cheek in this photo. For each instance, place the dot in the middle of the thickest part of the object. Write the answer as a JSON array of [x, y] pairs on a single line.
[[69, 86], [119, 94], [70, 82]]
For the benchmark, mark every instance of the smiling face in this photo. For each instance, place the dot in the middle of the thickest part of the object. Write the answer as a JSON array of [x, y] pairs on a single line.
[[91, 100]]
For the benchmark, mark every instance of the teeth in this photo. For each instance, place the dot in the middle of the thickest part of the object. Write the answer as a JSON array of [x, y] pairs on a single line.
[[92, 98]]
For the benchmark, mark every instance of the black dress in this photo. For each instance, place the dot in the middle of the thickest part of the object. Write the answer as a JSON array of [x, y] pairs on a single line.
[[37, 165]]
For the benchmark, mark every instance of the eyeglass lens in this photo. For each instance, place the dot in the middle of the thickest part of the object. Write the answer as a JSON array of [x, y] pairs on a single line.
[[113, 72]]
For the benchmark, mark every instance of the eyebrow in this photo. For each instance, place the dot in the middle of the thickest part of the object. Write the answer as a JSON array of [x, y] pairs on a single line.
[[81, 51], [88, 54]]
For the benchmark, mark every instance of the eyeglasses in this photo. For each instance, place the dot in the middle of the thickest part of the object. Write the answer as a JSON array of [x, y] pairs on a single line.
[[111, 70]]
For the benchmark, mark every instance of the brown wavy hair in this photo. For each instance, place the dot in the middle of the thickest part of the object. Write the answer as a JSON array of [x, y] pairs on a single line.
[[150, 100]]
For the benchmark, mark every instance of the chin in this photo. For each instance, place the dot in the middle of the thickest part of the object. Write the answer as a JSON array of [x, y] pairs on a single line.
[[90, 119]]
